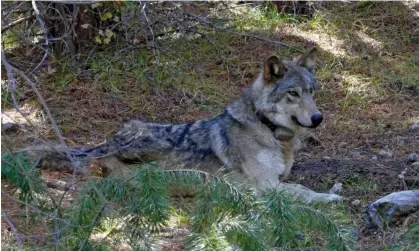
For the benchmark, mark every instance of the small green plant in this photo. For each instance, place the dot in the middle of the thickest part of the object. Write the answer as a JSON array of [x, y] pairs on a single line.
[[6, 98], [65, 74], [412, 234]]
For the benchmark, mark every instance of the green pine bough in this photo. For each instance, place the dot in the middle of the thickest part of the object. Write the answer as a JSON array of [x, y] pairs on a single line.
[[134, 210]]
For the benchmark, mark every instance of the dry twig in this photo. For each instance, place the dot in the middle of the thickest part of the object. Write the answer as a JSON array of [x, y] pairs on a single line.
[[14, 230]]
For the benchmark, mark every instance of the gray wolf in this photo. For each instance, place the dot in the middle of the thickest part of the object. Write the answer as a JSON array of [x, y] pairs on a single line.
[[253, 141]]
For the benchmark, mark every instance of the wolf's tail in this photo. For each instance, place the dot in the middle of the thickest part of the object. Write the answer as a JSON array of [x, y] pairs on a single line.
[[134, 139], [46, 155]]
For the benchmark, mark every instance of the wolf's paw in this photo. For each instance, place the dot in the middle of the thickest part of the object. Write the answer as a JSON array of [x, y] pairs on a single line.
[[336, 189], [334, 198], [327, 198]]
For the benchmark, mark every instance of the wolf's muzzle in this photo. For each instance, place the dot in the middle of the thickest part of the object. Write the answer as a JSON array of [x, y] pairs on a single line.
[[316, 120]]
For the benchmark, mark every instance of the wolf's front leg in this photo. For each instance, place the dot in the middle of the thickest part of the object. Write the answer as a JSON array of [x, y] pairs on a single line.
[[299, 192], [307, 195], [265, 170]]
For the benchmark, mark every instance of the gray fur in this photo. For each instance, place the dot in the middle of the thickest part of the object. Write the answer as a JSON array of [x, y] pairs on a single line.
[[239, 141]]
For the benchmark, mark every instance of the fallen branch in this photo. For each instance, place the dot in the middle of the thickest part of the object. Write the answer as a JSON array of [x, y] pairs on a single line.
[[58, 184]]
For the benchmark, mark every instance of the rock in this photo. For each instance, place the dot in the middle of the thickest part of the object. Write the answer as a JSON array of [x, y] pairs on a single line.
[[366, 57], [355, 154], [388, 208], [342, 144], [235, 248], [415, 126], [326, 158], [374, 158], [415, 164], [385, 154], [356, 203], [336, 189], [413, 157]]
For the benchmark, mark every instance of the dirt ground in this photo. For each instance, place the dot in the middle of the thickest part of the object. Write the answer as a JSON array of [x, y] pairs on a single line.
[[363, 179], [369, 96]]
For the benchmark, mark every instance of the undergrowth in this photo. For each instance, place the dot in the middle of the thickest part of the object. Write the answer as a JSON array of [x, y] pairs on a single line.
[[112, 211]]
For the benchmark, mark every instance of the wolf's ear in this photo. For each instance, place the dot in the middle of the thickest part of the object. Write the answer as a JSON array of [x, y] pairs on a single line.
[[273, 70], [308, 59]]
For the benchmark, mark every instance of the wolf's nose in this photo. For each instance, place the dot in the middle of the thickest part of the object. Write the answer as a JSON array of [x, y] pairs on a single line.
[[316, 119]]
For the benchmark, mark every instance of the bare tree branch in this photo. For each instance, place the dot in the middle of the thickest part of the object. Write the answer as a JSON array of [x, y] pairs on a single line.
[[16, 22], [68, 38], [54, 125], [79, 2], [12, 83], [43, 103], [44, 29], [14, 230], [14, 9], [39, 95]]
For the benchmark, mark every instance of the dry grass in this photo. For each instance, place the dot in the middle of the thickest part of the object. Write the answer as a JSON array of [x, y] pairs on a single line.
[[368, 68]]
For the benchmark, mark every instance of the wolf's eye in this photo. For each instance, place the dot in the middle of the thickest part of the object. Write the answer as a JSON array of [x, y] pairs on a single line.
[[293, 93], [311, 90]]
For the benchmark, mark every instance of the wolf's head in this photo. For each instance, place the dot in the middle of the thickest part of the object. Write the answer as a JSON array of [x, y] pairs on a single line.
[[284, 91]]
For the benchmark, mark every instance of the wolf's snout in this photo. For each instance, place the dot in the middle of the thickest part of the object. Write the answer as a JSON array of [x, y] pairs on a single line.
[[316, 119]]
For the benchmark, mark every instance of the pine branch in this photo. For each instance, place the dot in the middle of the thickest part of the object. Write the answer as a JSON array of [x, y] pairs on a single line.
[[152, 195], [221, 215], [292, 217], [244, 231], [18, 169], [208, 241], [95, 222], [137, 235], [280, 219], [221, 189], [320, 222], [222, 218]]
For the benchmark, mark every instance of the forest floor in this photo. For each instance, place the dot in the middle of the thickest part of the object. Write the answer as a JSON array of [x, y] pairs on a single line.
[[368, 69]]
